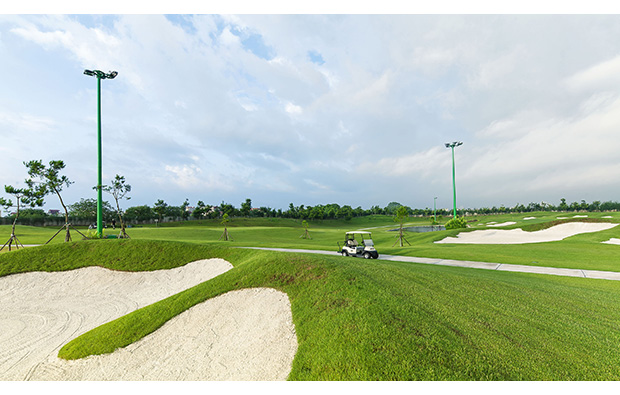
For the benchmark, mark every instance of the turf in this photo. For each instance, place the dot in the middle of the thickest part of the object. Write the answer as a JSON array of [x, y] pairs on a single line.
[[378, 320]]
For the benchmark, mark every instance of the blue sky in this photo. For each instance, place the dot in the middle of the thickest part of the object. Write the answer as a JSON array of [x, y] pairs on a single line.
[[315, 109]]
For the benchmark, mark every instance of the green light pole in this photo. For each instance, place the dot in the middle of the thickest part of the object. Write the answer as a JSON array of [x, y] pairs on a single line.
[[435, 210], [100, 76], [452, 145]]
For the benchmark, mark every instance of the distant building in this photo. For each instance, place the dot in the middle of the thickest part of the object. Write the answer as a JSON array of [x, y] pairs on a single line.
[[53, 212]]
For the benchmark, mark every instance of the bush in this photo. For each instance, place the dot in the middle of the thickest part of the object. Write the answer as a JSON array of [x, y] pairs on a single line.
[[456, 223]]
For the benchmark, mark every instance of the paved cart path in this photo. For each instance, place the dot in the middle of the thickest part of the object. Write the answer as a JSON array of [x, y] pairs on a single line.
[[598, 274]]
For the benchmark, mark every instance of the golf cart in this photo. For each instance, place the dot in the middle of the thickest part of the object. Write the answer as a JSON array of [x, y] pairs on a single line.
[[360, 246]]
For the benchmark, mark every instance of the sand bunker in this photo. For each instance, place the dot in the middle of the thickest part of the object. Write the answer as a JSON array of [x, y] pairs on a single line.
[[43, 311], [612, 241], [241, 335], [519, 236]]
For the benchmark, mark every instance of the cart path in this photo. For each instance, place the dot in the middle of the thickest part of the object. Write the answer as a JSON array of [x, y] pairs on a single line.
[[597, 274]]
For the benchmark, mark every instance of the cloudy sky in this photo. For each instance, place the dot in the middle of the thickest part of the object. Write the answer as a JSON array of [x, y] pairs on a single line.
[[317, 108]]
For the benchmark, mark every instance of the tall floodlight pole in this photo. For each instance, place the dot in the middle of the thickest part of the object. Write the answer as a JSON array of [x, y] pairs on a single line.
[[452, 145], [435, 209], [100, 76]]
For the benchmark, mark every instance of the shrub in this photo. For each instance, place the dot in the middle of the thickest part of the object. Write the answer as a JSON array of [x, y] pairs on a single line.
[[456, 223]]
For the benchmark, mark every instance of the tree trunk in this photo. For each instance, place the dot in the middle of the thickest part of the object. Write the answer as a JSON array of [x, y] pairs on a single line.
[[68, 234], [120, 218]]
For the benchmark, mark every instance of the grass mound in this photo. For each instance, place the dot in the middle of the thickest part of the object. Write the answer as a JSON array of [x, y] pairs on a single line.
[[378, 320], [126, 255]]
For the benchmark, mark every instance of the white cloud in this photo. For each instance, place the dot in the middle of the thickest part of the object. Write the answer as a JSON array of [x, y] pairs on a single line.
[[25, 122], [293, 109], [602, 76]]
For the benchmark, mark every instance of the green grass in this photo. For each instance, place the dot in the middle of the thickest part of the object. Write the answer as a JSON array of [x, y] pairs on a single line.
[[377, 320], [583, 251]]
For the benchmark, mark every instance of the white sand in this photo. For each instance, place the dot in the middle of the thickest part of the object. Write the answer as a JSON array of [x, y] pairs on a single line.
[[502, 224], [612, 241], [43, 311], [528, 218], [241, 335], [519, 236]]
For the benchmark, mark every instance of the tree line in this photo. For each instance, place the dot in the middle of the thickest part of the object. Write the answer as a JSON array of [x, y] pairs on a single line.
[[86, 210]]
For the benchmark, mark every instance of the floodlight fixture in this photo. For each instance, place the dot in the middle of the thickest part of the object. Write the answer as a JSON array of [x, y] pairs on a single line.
[[452, 145], [100, 76]]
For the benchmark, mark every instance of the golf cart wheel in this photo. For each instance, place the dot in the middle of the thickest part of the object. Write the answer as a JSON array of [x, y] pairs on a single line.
[[367, 255], [344, 253]]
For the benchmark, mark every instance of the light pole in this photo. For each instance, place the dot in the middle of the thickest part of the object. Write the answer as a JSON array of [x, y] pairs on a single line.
[[100, 76], [452, 145], [435, 210]]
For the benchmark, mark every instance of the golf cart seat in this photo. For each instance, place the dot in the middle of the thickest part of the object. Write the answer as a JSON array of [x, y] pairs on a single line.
[[352, 243]]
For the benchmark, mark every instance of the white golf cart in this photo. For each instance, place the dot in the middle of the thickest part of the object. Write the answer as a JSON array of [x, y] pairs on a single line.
[[358, 243]]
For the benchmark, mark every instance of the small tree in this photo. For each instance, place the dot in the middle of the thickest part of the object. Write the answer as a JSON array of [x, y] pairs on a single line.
[[46, 180], [225, 235], [400, 215], [22, 196], [306, 234], [119, 189]]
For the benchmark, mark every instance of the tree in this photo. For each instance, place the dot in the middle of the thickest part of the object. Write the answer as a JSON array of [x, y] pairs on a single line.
[[160, 208], [119, 189], [563, 206], [200, 210], [391, 208], [46, 180], [24, 196], [306, 234], [345, 212], [246, 208], [229, 209], [87, 209], [399, 217], [225, 235], [139, 213], [205, 210], [174, 212], [184, 210]]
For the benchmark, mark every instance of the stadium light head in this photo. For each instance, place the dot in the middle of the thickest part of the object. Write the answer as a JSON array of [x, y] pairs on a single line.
[[100, 74], [454, 144]]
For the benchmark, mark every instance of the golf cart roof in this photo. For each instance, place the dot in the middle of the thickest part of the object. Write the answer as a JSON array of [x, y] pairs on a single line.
[[358, 232]]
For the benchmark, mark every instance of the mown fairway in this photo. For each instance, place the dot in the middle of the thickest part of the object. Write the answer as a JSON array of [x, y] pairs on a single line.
[[578, 252]]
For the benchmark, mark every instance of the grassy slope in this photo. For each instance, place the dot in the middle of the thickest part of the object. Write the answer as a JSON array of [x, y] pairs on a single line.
[[378, 320]]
